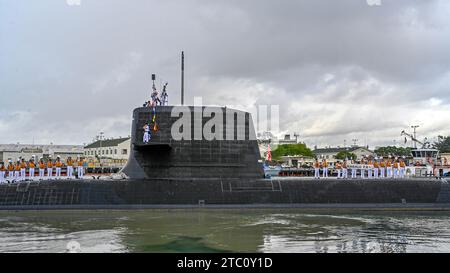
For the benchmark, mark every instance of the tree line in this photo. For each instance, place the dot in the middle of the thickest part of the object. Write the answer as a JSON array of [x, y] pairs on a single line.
[[442, 144]]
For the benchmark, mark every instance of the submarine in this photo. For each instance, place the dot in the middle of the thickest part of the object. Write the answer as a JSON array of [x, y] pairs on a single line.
[[182, 167]]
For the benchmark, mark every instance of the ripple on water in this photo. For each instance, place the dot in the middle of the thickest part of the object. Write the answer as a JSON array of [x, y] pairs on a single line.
[[51, 240]]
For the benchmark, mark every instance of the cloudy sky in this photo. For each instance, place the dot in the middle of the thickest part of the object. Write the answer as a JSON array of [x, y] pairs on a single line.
[[339, 70]]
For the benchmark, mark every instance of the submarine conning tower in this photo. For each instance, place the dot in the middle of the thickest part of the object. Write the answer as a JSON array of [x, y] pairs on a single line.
[[193, 142]]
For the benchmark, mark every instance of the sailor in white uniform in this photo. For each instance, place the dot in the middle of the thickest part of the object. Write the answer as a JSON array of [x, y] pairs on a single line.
[[49, 167], [80, 170], [17, 171], [325, 168], [376, 167], [382, 167], [362, 168], [41, 168], [370, 169], [23, 170], [402, 168], [164, 96], [345, 169], [10, 169], [69, 164], [31, 166], [354, 169], [58, 165], [146, 133], [2, 172], [317, 169]]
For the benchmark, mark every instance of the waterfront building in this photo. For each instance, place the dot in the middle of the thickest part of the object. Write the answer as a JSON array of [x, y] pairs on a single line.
[[330, 153], [26, 151], [111, 152], [288, 139], [267, 137], [297, 161]]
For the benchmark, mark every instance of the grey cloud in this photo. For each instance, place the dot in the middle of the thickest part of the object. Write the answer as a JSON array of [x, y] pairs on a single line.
[[88, 66]]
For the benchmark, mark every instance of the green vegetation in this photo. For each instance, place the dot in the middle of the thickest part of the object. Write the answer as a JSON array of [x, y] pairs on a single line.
[[291, 149], [443, 144], [345, 155], [392, 150]]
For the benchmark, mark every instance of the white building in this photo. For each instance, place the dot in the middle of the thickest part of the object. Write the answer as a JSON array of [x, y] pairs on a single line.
[[297, 161], [115, 148], [266, 138], [16, 151], [330, 153], [288, 139]]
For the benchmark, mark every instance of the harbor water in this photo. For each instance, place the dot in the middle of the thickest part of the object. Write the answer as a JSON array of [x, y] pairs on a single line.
[[233, 230]]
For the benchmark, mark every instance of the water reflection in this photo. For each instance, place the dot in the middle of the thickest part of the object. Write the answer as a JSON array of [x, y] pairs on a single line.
[[224, 230]]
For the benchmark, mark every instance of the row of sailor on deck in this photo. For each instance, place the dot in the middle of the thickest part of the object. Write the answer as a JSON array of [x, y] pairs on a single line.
[[367, 168], [48, 169]]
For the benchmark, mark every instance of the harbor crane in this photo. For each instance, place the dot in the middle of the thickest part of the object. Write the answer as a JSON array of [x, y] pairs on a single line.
[[425, 143]]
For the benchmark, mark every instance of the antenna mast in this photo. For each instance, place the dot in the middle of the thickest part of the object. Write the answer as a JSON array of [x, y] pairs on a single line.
[[182, 77]]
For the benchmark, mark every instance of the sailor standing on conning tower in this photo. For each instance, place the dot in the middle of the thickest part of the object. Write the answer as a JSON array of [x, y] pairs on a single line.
[[154, 95], [147, 136], [164, 95]]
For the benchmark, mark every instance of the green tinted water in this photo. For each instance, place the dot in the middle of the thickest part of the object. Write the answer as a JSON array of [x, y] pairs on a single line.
[[223, 231]]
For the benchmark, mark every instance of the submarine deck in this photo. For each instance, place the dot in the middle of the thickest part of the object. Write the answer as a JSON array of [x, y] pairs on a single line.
[[306, 193]]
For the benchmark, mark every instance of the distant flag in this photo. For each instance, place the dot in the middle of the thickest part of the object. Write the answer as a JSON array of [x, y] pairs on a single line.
[[269, 153]]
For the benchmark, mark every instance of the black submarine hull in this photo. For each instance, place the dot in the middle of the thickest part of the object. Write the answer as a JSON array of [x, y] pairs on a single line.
[[197, 171], [223, 193]]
